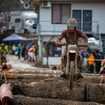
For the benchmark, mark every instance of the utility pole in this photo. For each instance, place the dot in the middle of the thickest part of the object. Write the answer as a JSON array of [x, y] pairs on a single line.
[[99, 35], [0, 58], [40, 50], [40, 45]]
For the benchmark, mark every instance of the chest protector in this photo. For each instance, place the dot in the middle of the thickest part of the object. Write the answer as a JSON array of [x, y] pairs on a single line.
[[72, 38]]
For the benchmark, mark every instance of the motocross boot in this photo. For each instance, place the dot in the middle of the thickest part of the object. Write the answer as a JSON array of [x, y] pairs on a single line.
[[79, 75], [64, 75], [80, 68]]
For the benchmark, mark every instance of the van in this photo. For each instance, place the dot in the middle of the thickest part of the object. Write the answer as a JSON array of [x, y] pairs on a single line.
[[23, 22]]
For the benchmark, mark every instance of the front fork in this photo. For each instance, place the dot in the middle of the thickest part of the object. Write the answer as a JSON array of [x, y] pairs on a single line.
[[71, 57]]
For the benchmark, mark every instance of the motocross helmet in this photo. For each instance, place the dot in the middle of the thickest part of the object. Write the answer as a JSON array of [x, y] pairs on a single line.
[[71, 23]]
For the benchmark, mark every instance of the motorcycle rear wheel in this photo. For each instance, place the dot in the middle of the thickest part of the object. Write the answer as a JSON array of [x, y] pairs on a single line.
[[71, 74]]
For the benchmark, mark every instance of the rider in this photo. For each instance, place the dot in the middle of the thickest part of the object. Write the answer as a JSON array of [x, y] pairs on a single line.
[[71, 35]]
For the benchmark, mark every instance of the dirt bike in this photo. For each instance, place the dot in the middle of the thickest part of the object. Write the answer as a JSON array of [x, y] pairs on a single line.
[[71, 65]]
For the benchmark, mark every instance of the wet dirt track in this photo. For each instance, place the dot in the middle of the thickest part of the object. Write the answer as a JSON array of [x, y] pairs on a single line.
[[43, 86]]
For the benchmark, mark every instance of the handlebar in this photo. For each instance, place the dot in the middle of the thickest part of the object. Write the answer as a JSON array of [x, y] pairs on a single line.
[[83, 44], [60, 43]]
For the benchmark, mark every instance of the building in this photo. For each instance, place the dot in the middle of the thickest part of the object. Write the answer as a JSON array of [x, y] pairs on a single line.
[[53, 15]]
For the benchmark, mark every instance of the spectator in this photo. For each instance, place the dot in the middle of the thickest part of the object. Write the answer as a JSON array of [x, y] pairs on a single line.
[[91, 62], [29, 44], [23, 50], [13, 49], [102, 70], [26, 53], [82, 54], [3, 54], [36, 50], [31, 53], [98, 61], [18, 49], [102, 55], [6, 48]]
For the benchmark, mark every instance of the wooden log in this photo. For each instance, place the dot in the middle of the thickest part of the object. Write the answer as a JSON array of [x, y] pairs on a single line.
[[11, 74], [91, 78], [41, 71], [22, 100], [59, 89], [35, 76], [96, 92], [54, 88]]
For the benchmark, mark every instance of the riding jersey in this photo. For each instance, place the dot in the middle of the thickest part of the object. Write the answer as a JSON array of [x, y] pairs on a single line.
[[71, 37]]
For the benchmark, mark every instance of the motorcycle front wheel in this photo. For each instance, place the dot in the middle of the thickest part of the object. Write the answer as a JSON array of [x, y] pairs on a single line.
[[71, 74]]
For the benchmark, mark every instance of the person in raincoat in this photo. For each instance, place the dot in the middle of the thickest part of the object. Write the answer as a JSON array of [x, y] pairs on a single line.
[[31, 53], [2, 54]]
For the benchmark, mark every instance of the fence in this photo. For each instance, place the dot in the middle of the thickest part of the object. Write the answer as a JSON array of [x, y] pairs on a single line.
[[47, 27]]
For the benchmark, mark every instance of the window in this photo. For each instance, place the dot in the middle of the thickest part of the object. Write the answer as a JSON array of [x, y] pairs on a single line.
[[84, 19], [77, 15], [87, 20], [60, 13], [17, 20]]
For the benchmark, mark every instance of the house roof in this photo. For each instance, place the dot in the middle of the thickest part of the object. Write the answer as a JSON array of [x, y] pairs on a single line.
[[38, 1]]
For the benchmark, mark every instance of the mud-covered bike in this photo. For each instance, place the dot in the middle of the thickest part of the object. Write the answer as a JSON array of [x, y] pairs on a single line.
[[71, 66]]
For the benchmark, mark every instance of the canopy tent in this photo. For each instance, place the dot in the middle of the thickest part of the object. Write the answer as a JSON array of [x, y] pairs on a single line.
[[14, 37]]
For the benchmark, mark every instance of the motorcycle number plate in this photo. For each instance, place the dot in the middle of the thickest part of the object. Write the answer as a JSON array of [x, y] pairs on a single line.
[[72, 51], [72, 45]]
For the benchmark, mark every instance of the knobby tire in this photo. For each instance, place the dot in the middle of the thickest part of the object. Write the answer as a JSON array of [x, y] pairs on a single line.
[[71, 74]]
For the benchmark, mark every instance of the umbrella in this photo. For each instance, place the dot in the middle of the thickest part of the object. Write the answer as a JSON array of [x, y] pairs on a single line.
[[14, 37]]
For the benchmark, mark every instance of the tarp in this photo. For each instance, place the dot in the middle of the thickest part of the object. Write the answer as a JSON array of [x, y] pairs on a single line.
[[14, 37]]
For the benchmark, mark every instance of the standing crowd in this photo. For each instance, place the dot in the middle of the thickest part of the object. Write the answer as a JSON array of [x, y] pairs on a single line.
[[94, 60], [28, 51]]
